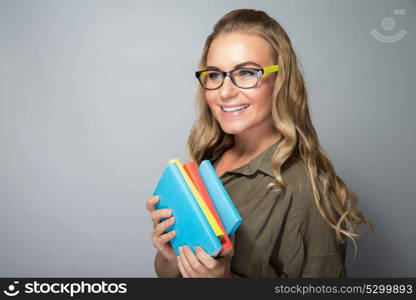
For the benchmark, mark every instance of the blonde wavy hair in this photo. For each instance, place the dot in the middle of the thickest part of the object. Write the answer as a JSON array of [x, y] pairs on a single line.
[[335, 202]]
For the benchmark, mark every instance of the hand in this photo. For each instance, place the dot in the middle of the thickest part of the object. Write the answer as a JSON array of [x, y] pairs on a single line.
[[161, 239], [202, 265]]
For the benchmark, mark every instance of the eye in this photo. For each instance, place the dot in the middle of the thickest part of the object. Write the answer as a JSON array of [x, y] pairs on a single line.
[[246, 73], [214, 75]]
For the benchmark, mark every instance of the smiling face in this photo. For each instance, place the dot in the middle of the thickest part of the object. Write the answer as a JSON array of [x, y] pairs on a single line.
[[241, 111]]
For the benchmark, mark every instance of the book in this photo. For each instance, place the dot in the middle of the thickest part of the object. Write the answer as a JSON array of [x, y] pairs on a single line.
[[198, 221], [191, 225], [230, 217], [192, 169], [202, 204]]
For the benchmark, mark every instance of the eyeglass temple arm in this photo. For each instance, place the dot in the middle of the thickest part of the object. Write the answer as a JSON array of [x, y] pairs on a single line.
[[271, 69], [198, 73]]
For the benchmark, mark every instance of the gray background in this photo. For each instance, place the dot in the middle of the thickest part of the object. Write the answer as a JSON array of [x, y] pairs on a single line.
[[88, 119]]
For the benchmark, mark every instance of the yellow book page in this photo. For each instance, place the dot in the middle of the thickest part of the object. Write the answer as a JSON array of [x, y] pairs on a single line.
[[211, 220]]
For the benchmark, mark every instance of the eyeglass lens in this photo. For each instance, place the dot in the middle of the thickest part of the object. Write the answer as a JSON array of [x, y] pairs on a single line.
[[244, 78]]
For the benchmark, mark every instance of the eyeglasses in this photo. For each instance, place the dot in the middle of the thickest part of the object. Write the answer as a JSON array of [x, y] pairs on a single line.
[[244, 78]]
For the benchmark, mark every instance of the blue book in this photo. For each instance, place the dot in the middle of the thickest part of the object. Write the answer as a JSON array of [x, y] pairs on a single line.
[[225, 207], [191, 225]]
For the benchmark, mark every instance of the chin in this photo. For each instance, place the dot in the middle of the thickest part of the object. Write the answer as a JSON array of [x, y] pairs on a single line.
[[230, 129]]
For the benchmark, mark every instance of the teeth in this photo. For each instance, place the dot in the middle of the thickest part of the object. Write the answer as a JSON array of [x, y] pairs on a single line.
[[235, 108]]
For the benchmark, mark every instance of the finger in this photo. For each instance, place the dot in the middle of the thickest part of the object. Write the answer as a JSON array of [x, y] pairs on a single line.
[[150, 204], [208, 261], [181, 268], [156, 215], [160, 242], [162, 226], [166, 238], [193, 261], [185, 264]]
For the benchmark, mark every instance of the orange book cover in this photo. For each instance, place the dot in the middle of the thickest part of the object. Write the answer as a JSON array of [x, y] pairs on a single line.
[[192, 169]]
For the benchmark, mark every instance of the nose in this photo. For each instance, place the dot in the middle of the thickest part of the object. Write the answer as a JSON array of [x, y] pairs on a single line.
[[228, 89]]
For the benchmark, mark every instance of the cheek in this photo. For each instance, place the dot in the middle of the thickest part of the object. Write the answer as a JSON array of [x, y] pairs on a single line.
[[261, 98], [211, 100]]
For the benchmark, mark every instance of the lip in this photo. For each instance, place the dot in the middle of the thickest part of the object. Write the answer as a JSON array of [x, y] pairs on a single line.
[[236, 113], [233, 105]]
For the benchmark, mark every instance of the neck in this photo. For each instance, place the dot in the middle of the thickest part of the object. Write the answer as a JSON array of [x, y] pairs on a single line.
[[253, 142]]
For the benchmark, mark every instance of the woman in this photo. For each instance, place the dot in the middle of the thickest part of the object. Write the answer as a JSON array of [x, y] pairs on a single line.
[[255, 127]]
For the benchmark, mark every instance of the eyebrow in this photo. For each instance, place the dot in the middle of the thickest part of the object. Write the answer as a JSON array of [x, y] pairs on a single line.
[[236, 66]]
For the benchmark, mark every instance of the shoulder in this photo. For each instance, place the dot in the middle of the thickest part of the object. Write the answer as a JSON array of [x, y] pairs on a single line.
[[317, 234], [296, 177], [324, 257]]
